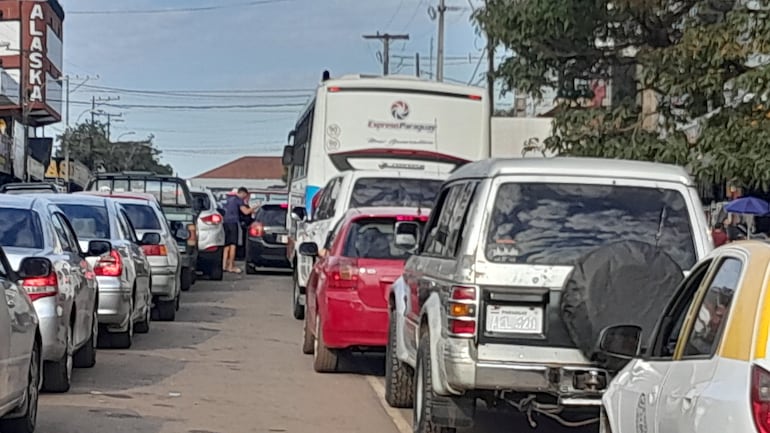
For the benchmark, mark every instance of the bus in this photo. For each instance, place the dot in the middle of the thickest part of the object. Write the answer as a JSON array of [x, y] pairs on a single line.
[[382, 123]]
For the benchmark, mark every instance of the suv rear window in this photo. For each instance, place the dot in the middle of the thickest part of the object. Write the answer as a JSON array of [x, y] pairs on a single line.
[[142, 217], [555, 224], [89, 222], [20, 228], [370, 192], [271, 215], [373, 238], [201, 201]]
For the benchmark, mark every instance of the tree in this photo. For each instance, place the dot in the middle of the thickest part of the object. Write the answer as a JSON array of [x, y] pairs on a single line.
[[692, 80], [88, 143]]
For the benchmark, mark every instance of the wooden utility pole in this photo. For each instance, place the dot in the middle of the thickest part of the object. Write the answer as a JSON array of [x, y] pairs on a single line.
[[386, 38]]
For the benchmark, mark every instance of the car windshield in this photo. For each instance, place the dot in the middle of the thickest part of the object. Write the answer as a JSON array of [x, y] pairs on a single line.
[[369, 192], [89, 222], [555, 224], [373, 238], [168, 192], [20, 228], [142, 217], [271, 215]]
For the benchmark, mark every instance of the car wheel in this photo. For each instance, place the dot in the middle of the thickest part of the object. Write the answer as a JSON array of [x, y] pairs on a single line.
[[251, 268], [143, 327], [123, 340], [85, 357], [423, 393], [298, 310], [27, 422], [308, 340], [325, 360], [186, 279], [399, 377], [216, 272], [57, 375], [167, 310]]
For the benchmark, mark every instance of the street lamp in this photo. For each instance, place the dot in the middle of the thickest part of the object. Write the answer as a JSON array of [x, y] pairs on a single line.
[[125, 133]]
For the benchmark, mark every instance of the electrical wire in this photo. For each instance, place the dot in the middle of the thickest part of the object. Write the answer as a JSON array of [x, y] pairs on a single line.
[[395, 14], [199, 91], [175, 10]]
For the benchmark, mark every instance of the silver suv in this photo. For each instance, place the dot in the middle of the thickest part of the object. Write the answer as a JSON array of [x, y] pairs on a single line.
[[478, 312]]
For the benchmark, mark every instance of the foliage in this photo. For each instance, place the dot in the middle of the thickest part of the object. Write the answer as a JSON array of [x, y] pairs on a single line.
[[89, 144], [702, 60]]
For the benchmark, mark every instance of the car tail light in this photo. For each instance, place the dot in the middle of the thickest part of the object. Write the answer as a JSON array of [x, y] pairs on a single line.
[[284, 205], [155, 250], [760, 398], [212, 219], [41, 287], [256, 230], [193, 239], [420, 218], [343, 275], [462, 311], [109, 265], [475, 97]]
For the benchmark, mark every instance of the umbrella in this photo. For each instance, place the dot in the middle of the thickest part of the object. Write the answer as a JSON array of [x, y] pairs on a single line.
[[748, 206]]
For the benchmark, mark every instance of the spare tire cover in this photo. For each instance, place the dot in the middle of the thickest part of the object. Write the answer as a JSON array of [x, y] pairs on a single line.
[[627, 282]]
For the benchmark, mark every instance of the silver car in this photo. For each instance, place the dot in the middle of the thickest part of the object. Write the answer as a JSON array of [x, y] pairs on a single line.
[[20, 345], [121, 267], [145, 215], [211, 234], [65, 298]]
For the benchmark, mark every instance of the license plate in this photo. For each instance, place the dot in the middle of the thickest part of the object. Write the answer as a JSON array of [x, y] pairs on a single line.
[[514, 320], [283, 239]]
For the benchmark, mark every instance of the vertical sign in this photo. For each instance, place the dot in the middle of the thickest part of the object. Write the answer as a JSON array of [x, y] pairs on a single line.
[[37, 27]]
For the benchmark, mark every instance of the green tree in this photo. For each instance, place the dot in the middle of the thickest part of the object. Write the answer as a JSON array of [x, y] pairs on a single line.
[[689, 75], [88, 143]]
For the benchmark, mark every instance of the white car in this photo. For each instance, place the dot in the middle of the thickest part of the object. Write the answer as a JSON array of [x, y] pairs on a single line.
[[211, 234]]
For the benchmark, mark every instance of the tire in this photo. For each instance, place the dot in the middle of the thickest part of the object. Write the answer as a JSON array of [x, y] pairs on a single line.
[[216, 273], [423, 392], [185, 279], [399, 377], [143, 327], [251, 269], [122, 340], [308, 340], [325, 360], [167, 310], [27, 422], [57, 375], [85, 357], [298, 310]]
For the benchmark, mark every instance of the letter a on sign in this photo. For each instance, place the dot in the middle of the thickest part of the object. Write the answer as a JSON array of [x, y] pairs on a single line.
[[37, 13]]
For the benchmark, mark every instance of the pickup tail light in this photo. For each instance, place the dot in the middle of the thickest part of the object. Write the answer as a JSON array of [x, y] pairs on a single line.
[[193, 239], [343, 274], [463, 306], [256, 230], [155, 250], [109, 265], [760, 398], [41, 287], [212, 219]]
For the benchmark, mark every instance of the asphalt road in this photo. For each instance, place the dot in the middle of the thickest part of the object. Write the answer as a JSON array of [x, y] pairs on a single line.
[[231, 363]]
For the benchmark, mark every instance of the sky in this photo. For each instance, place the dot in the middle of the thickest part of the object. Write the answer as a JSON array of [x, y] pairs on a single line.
[[264, 58]]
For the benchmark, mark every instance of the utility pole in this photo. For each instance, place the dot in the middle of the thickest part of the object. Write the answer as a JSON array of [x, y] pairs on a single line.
[[417, 63], [65, 142], [442, 9], [386, 38], [490, 80]]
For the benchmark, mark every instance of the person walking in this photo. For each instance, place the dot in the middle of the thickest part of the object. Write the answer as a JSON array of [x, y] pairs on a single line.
[[235, 206]]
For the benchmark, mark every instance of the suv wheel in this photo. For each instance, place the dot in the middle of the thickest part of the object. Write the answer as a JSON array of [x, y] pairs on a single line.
[[423, 393], [298, 309], [186, 279], [399, 377]]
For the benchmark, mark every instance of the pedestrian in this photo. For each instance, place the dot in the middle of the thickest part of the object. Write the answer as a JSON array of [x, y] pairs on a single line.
[[719, 235], [235, 206]]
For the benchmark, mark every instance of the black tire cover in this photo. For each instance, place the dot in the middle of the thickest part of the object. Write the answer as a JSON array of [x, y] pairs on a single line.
[[627, 282]]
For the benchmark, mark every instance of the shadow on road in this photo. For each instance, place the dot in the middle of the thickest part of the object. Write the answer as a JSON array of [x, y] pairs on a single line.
[[117, 371], [197, 313], [369, 364], [76, 419]]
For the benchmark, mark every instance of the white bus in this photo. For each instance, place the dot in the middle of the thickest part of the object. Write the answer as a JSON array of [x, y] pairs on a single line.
[[387, 122]]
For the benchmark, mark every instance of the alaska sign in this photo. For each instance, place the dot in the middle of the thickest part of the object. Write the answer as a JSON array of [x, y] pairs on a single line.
[[37, 27]]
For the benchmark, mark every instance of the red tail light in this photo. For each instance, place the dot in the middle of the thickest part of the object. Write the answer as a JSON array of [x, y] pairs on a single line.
[[155, 250], [421, 218], [193, 239], [475, 97], [256, 230], [110, 265], [462, 311], [343, 275], [760, 398], [41, 287], [284, 205], [212, 219]]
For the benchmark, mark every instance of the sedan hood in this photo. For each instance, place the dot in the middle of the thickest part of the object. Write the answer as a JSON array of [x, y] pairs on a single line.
[[16, 255]]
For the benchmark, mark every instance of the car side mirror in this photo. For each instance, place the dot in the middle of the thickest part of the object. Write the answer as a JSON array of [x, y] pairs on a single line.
[[98, 248], [309, 249], [621, 341], [182, 234], [35, 267], [151, 239], [407, 233], [287, 159], [298, 214]]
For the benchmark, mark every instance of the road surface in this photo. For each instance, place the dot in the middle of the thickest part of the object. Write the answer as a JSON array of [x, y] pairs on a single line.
[[231, 363]]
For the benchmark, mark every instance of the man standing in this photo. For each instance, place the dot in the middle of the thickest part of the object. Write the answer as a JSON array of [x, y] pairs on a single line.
[[235, 206]]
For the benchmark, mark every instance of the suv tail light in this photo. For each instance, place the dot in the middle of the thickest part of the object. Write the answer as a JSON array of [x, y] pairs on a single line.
[[110, 265], [760, 398], [155, 250], [212, 219], [256, 230], [463, 302], [41, 287], [343, 275], [193, 239]]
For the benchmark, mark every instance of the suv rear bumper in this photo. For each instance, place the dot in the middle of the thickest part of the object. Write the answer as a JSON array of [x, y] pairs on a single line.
[[463, 371]]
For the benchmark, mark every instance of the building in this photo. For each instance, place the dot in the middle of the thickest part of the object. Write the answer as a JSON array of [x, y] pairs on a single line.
[[31, 65], [252, 172]]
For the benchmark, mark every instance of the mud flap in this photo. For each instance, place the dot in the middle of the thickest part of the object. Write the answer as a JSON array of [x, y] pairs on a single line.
[[457, 412]]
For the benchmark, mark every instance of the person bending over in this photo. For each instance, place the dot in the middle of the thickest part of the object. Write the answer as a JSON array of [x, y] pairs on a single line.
[[234, 207]]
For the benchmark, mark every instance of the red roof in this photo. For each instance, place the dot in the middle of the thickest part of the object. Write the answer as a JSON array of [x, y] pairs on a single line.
[[247, 167]]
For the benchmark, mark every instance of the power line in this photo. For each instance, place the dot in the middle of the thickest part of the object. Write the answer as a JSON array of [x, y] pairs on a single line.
[[175, 10], [198, 91], [395, 14]]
